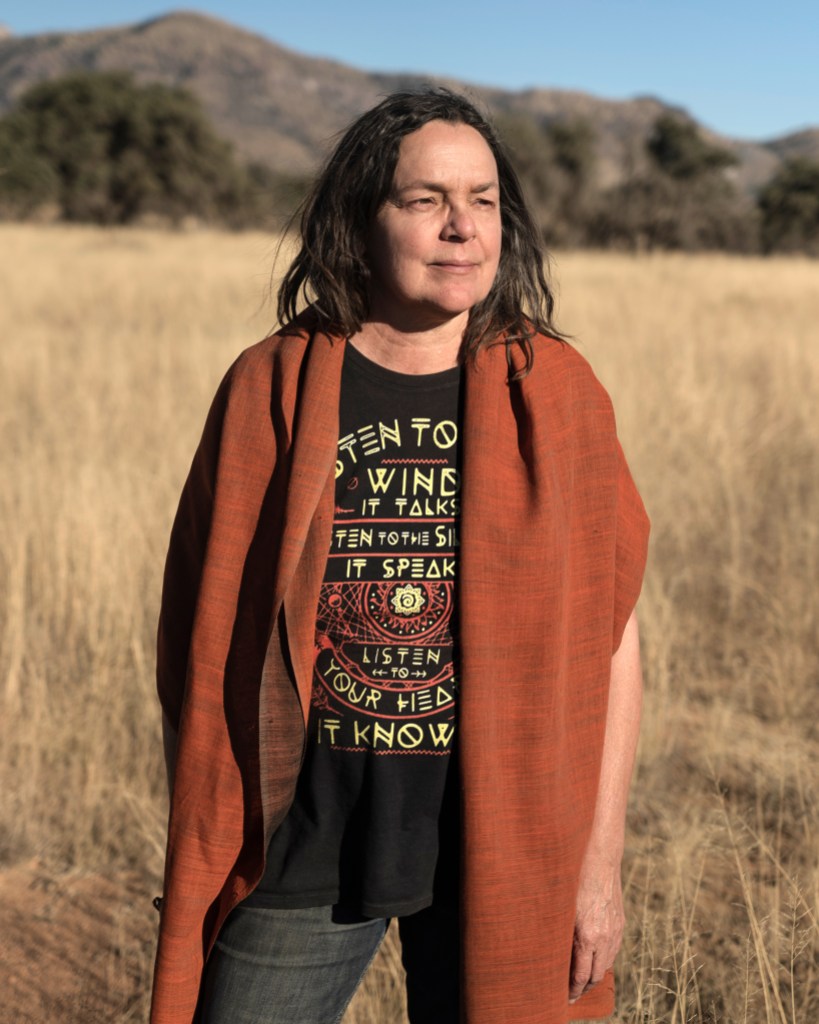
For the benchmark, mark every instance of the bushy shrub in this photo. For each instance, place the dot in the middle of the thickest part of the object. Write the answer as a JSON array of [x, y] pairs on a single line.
[[682, 201], [107, 150], [789, 209]]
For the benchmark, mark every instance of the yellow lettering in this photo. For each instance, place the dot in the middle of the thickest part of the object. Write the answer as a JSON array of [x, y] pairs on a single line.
[[380, 478], [441, 733], [410, 735]]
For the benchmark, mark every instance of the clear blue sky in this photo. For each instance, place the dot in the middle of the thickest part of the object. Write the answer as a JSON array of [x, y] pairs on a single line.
[[749, 70]]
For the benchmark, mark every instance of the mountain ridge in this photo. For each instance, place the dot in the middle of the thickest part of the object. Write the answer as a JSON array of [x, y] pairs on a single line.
[[283, 108]]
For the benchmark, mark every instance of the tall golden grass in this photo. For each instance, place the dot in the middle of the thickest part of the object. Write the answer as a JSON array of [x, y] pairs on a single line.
[[112, 344]]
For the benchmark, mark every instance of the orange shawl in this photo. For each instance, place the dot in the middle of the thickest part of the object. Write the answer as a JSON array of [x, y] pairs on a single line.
[[553, 542]]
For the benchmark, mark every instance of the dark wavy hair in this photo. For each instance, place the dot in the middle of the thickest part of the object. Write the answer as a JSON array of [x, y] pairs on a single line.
[[330, 272]]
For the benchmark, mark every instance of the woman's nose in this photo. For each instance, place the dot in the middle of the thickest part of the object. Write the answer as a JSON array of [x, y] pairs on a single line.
[[460, 224]]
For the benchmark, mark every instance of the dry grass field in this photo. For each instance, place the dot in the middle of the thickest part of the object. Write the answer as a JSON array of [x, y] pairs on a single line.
[[112, 344]]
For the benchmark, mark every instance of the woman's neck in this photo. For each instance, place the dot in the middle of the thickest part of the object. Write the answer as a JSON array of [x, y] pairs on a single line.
[[422, 351]]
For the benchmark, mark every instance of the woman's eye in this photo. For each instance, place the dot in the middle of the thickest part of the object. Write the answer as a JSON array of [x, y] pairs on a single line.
[[423, 201]]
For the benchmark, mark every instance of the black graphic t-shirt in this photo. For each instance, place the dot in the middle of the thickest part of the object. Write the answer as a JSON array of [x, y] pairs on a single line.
[[373, 827]]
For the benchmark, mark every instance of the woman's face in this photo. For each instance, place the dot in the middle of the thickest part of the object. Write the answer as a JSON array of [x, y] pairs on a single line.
[[435, 244]]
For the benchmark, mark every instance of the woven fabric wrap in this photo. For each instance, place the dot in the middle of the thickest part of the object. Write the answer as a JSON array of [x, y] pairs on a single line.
[[553, 547]]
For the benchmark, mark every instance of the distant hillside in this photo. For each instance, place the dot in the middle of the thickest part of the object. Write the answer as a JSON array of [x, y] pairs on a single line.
[[283, 108]]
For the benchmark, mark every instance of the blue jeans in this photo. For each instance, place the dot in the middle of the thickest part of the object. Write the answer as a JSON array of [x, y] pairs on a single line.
[[303, 967]]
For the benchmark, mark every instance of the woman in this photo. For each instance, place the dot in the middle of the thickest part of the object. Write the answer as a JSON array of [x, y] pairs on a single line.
[[398, 658]]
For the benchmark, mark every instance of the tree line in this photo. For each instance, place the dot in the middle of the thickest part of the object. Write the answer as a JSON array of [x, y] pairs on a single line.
[[679, 195], [101, 148]]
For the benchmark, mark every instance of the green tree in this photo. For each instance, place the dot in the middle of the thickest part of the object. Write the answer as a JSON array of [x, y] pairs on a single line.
[[28, 182], [556, 163], [651, 212], [789, 208], [108, 150], [684, 200], [678, 150]]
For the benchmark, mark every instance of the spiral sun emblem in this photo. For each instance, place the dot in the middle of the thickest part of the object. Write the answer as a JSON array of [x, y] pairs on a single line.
[[407, 600]]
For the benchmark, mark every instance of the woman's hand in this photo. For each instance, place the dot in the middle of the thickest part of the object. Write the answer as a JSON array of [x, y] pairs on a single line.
[[599, 918], [598, 927]]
